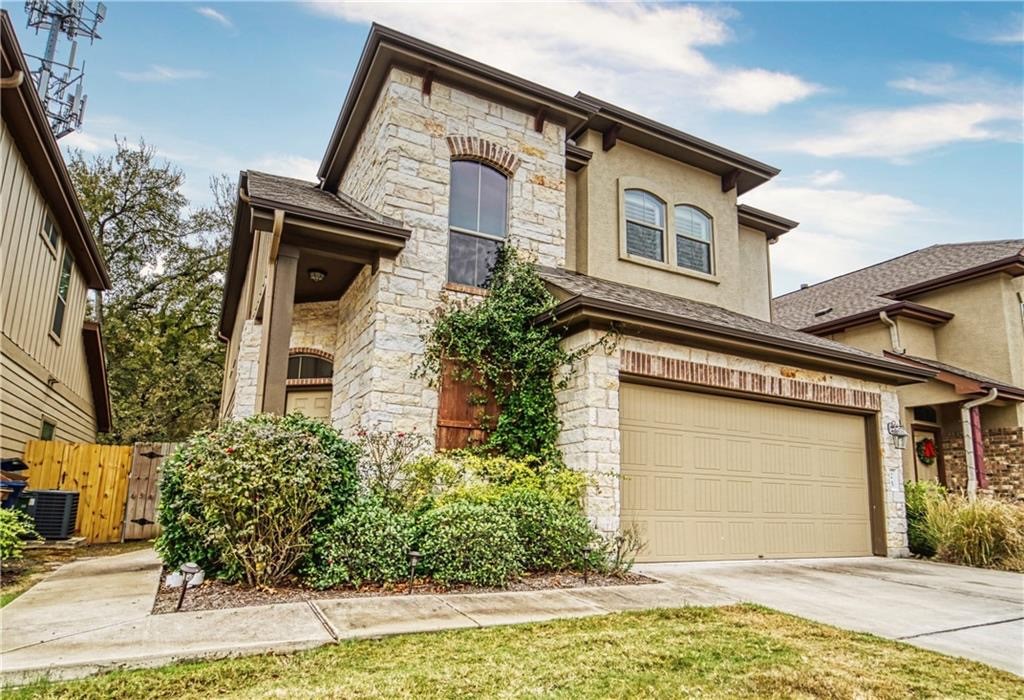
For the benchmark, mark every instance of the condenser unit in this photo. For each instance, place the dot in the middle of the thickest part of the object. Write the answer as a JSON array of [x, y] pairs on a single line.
[[53, 512]]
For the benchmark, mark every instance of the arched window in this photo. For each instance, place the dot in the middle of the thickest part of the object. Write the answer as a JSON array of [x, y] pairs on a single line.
[[645, 225], [303, 365], [477, 219], [693, 238]]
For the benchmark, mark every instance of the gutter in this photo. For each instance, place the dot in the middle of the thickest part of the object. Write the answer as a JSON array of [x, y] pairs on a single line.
[[968, 428], [894, 333]]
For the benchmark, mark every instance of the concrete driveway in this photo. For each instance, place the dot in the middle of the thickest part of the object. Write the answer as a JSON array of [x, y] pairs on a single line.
[[974, 613]]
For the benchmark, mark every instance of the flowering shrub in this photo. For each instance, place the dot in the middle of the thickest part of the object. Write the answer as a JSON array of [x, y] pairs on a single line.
[[385, 456], [243, 500]]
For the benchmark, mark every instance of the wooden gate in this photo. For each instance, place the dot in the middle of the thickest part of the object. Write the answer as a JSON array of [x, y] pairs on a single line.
[[99, 473], [144, 489]]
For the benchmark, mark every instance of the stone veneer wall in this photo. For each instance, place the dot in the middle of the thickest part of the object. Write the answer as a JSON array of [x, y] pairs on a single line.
[[247, 369], [1004, 462], [590, 414], [401, 168], [315, 325]]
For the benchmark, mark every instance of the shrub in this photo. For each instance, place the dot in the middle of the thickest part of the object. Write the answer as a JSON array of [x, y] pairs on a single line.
[[919, 495], [15, 527], [385, 458], [467, 541], [368, 543], [553, 533], [983, 532], [241, 501]]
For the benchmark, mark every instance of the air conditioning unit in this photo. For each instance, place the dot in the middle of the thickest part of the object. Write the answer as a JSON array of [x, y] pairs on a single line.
[[54, 512]]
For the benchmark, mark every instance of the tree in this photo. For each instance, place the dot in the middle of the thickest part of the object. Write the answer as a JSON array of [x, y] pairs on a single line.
[[166, 264]]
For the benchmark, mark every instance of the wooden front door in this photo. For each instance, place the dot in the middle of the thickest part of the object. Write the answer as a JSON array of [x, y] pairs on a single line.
[[928, 458]]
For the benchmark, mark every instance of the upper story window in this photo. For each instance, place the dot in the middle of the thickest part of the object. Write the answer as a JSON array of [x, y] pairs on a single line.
[[693, 238], [645, 225], [477, 219], [306, 366], [49, 232], [63, 286]]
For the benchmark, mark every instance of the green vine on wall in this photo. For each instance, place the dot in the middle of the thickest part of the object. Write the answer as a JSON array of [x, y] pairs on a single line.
[[496, 344]]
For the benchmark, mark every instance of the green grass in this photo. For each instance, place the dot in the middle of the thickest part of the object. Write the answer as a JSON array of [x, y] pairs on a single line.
[[734, 652]]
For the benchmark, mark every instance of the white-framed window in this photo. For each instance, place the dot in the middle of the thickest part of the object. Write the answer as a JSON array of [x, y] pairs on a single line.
[[694, 238], [63, 287], [645, 225], [477, 221], [49, 232]]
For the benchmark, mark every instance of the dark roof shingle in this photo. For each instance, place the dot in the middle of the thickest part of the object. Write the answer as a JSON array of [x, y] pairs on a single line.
[[578, 284], [308, 195], [865, 290]]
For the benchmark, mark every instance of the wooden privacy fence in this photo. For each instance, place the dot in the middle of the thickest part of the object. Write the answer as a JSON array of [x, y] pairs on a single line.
[[118, 485]]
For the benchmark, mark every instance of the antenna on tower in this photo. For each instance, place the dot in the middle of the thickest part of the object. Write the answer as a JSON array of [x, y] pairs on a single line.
[[60, 84]]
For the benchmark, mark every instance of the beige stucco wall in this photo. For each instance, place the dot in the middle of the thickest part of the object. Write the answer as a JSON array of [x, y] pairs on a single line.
[[873, 337], [740, 270], [29, 355], [917, 338], [589, 409]]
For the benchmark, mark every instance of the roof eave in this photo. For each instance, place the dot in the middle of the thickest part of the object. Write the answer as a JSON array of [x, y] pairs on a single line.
[[1012, 265], [95, 355], [772, 225], [580, 307], [917, 312]]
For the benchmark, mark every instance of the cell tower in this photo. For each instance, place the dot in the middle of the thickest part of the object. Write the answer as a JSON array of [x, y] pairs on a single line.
[[60, 84]]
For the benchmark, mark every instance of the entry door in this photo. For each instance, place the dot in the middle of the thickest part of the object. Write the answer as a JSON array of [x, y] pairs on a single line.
[[926, 468], [313, 404], [712, 477]]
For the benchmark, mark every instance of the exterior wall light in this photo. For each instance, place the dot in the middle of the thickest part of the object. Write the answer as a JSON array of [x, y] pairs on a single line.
[[317, 275], [898, 434]]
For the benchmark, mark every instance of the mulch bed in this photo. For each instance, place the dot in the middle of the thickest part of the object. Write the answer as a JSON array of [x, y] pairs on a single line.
[[215, 595]]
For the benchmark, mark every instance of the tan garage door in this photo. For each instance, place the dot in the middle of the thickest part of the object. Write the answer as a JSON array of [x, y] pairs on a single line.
[[710, 477], [314, 404]]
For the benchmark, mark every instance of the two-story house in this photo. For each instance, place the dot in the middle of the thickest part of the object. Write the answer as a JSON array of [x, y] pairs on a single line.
[[720, 434], [958, 309], [53, 382]]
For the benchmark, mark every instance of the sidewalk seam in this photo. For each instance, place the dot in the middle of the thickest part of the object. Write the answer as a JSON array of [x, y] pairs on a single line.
[[324, 622], [444, 600], [964, 627]]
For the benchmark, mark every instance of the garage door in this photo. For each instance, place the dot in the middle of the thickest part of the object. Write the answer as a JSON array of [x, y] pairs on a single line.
[[711, 477], [313, 404]]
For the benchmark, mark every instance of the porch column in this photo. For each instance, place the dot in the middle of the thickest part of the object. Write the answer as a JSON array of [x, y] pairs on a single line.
[[278, 328]]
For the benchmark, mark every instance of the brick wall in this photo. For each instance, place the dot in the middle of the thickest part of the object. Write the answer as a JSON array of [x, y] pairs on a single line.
[[1004, 462]]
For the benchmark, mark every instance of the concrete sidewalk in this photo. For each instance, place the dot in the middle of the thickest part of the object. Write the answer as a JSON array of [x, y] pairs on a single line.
[[94, 616]]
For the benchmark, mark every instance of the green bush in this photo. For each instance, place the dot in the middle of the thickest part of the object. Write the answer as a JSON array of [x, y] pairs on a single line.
[[553, 533], [15, 527], [919, 495], [242, 501], [368, 543], [983, 532], [468, 541]]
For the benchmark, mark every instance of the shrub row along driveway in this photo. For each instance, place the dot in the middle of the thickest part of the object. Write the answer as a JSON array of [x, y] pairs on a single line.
[[975, 613]]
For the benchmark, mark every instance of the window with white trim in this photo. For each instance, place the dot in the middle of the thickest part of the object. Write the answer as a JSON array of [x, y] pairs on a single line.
[[693, 238], [308, 366], [63, 286], [49, 231], [645, 225], [477, 221]]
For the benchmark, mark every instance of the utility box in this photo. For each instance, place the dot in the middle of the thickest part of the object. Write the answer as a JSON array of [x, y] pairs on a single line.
[[53, 512]]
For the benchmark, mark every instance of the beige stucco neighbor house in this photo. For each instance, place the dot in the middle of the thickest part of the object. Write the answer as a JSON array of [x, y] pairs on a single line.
[[958, 309], [720, 434], [53, 382]]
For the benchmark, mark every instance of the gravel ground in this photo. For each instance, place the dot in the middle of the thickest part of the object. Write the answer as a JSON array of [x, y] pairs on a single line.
[[212, 595]]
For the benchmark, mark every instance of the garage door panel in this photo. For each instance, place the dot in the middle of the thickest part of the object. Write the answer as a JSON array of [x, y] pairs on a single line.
[[722, 478]]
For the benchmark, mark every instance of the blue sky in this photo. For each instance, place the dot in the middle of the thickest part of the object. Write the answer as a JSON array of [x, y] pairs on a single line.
[[896, 125]]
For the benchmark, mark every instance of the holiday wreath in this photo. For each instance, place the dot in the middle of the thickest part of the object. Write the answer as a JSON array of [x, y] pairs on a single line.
[[926, 451]]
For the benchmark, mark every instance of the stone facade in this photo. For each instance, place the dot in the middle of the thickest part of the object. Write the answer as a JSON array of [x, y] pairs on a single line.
[[1004, 463], [590, 412], [315, 325], [247, 370], [401, 168]]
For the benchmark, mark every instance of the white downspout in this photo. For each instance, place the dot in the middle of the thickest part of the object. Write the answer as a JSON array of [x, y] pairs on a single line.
[[965, 420], [894, 333]]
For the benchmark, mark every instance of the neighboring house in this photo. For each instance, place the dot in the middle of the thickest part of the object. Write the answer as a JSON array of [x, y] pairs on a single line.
[[720, 434], [957, 309], [53, 382]]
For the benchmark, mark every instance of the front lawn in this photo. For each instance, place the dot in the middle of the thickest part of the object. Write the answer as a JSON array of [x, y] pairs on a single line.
[[739, 651]]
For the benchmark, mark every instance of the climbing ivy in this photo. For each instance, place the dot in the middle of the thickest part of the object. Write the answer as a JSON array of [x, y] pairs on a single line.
[[496, 345]]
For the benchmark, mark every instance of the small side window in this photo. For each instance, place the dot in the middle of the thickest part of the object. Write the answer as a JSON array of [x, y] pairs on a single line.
[[48, 430], [49, 232], [645, 225], [303, 366], [63, 286], [693, 238]]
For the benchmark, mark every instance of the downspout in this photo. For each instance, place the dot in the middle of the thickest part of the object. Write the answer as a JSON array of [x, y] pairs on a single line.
[[894, 333], [965, 421]]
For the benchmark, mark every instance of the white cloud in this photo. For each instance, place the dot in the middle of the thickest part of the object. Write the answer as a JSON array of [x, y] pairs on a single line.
[[218, 17], [1008, 31], [823, 178], [88, 142], [840, 229], [896, 133], [607, 50], [162, 74], [288, 165]]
